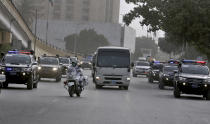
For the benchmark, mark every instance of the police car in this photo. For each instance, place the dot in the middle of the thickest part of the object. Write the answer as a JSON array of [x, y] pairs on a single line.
[[20, 68], [49, 67], [166, 75], [141, 68], [65, 62], [192, 77], [153, 74]]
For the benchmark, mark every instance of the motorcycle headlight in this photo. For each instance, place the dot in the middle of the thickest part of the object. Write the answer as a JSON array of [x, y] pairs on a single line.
[[55, 69], [81, 63], [182, 78]]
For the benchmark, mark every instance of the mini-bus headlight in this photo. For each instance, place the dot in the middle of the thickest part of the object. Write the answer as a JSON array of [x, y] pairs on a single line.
[[55, 69], [205, 85], [128, 79], [97, 78]]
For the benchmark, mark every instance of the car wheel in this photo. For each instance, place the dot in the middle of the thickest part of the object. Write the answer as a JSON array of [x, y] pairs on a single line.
[[161, 84], [5, 84], [177, 93], [208, 95], [30, 83], [126, 87], [98, 86], [35, 85]]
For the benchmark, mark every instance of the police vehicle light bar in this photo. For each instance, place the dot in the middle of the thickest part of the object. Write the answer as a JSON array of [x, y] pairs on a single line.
[[193, 61], [13, 52]]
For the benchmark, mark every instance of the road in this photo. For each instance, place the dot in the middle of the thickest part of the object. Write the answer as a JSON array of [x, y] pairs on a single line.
[[143, 103]]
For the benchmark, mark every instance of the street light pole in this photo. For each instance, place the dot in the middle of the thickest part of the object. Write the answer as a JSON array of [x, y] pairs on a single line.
[[35, 33], [48, 7]]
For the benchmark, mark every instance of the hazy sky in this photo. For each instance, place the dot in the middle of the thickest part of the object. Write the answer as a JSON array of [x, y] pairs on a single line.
[[125, 8]]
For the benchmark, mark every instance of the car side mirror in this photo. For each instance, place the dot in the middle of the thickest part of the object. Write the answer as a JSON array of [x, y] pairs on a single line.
[[175, 71], [132, 64], [35, 63]]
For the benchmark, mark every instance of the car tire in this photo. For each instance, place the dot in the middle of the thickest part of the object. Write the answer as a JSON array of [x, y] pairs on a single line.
[[150, 79], [35, 85], [97, 86], [58, 79], [126, 87], [161, 84], [208, 95], [5, 84], [30, 83], [177, 93]]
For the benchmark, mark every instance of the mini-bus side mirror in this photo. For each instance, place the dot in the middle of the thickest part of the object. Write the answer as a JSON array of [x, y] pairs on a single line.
[[132, 64]]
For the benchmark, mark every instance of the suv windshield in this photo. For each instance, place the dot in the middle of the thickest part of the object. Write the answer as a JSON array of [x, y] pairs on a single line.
[[17, 59], [48, 61], [195, 69], [142, 63], [157, 66], [115, 58], [64, 60], [170, 68]]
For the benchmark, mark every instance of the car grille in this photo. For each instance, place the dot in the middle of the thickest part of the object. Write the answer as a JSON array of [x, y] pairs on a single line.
[[46, 68], [112, 78], [191, 80]]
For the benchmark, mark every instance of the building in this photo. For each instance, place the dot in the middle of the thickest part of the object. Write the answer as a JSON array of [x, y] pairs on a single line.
[[103, 11]]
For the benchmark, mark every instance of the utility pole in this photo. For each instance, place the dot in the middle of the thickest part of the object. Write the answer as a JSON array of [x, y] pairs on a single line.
[[35, 32]]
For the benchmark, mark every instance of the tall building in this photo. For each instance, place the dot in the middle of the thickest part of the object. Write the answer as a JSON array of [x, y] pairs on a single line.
[[103, 11]]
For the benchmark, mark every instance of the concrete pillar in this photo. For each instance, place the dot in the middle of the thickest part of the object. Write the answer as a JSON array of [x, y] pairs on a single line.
[[5, 37]]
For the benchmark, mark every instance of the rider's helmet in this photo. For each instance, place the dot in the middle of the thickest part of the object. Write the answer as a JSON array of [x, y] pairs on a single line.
[[74, 63]]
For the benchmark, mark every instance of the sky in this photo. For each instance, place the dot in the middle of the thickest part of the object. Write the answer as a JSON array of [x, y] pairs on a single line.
[[125, 8]]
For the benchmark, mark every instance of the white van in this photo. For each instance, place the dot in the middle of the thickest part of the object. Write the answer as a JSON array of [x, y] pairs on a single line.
[[112, 67]]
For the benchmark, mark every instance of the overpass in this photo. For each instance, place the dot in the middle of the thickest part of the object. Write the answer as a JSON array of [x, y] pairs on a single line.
[[13, 26]]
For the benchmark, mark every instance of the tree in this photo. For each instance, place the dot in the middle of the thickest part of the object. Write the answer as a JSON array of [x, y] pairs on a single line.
[[187, 20], [86, 38], [144, 42]]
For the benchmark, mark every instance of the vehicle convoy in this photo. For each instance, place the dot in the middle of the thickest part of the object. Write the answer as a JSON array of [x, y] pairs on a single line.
[[166, 75], [65, 62], [153, 74], [20, 68], [192, 77], [112, 67], [141, 68], [49, 67]]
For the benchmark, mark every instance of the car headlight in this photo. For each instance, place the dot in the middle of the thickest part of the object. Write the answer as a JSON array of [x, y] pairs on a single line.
[[128, 79], [97, 78], [39, 68], [182, 78], [165, 75], [81, 63], [55, 69], [89, 63]]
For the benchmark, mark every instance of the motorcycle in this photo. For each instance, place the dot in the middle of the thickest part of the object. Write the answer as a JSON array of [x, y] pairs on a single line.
[[2, 79], [75, 84]]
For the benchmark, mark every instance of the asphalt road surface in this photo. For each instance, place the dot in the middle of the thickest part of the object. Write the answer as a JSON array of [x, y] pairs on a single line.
[[143, 103]]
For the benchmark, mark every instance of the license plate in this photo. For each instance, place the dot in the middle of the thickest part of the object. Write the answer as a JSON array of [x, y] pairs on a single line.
[[194, 86], [113, 82], [13, 73], [70, 83]]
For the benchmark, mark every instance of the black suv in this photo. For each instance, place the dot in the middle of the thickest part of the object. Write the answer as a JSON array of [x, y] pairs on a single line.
[[153, 74], [166, 75], [20, 69], [192, 79], [49, 67]]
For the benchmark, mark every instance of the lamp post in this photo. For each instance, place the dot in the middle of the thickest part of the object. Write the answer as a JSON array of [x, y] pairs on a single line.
[[35, 32]]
